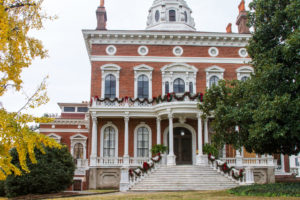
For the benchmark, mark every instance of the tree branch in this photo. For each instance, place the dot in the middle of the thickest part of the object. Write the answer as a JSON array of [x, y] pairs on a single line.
[[18, 5]]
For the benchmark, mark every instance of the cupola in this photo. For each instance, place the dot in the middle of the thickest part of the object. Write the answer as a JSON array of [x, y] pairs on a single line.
[[172, 15]]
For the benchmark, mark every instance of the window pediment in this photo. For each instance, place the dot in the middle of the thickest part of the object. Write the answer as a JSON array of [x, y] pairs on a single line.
[[110, 67], [78, 137], [143, 68], [215, 69], [179, 67], [245, 69]]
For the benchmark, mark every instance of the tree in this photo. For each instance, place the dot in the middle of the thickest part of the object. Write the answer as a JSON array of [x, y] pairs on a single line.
[[53, 173], [17, 50], [266, 108]]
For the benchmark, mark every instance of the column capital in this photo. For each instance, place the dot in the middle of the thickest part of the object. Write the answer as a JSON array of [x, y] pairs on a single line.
[[95, 119], [126, 118], [206, 120], [170, 115], [158, 118], [199, 115]]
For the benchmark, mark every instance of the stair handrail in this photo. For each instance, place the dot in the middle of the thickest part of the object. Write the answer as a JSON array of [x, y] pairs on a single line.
[[242, 176], [139, 173]]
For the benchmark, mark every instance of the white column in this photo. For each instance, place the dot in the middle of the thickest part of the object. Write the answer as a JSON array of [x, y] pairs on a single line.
[[206, 131], [224, 151], [158, 131], [93, 157], [126, 156], [282, 163], [238, 156], [171, 157], [200, 159]]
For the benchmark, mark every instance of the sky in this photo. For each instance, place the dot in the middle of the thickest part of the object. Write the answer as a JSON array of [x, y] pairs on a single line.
[[68, 65]]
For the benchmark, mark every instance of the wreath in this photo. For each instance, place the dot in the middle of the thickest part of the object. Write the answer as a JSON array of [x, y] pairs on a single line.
[[237, 174]]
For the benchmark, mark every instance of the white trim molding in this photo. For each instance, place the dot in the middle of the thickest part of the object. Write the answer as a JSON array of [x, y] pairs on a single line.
[[114, 70], [108, 124], [81, 139], [142, 124], [244, 71], [142, 70], [62, 130], [183, 71], [177, 51], [111, 50], [143, 50], [214, 71], [213, 51], [243, 52], [57, 138]]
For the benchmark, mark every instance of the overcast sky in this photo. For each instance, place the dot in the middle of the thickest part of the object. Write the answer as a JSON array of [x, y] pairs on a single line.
[[68, 65]]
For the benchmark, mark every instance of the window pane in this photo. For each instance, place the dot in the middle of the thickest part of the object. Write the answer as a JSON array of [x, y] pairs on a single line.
[[82, 109], [167, 90], [143, 87], [69, 109], [143, 142], [172, 15], [179, 86], [110, 86], [244, 78], [213, 81], [191, 87], [109, 142]]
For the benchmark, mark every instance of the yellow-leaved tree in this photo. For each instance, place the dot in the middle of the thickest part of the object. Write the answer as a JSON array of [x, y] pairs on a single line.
[[17, 50]]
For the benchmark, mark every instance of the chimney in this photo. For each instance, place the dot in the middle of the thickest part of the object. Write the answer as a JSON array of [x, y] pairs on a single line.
[[242, 19], [228, 28], [101, 16]]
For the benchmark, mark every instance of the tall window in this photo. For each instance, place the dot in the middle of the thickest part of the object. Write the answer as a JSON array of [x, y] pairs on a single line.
[[167, 87], [78, 151], [179, 86], [191, 87], [244, 78], [109, 142], [172, 15], [110, 86], [143, 87], [213, 81], [142, 142], [185, 16]]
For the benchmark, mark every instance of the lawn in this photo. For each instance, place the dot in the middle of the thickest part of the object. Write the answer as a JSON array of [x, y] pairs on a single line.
[[201, 195]]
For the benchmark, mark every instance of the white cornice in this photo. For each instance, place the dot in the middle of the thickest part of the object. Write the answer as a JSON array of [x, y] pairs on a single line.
[[164, 38], [68, 122], [60, 130], [170, 59]]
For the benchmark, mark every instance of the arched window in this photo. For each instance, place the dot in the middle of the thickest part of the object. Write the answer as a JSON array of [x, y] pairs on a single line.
[[143, 87], [157, 16], [172, 15], [110, 86], [167, 87], [244, 78], [78, 151], [185, 16], [179, 86], [191, 87], [213, 81], [109, 142], [142, 142]]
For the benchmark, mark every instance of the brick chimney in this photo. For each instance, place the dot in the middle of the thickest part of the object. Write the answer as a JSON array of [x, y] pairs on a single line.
[[242, 19], [101, 16], [228, 28]]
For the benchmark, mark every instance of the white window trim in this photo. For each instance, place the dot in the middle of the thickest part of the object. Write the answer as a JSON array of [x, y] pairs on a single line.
[[240, 52], [210, 51], [114, 70], [177, 14], [111, 47], [116, 138], [142, 124], [82, 140], [180, 49], [57, 138], [142, 70], [244, 71], [140, 50], [187, 73], [214, 71]]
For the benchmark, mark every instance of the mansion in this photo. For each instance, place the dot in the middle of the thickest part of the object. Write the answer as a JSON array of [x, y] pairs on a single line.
[[146, 86]]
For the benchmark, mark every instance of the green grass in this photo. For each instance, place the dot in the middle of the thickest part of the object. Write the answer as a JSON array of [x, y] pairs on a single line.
[[268, 190]]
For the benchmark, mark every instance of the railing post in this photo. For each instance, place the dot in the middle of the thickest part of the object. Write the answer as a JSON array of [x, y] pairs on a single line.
[[270, 160], [124, 182]]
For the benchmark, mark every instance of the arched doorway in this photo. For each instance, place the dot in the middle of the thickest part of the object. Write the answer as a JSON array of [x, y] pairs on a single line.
[[183, 146]]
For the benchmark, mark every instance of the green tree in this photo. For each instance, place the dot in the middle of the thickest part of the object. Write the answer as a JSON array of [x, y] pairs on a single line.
[[266, 108], [53, 173]]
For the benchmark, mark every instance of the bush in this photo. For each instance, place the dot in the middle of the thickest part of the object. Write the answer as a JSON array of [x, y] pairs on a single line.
[[210, 149], [53, 173], [158, 148], [2, 189], [268, 190]]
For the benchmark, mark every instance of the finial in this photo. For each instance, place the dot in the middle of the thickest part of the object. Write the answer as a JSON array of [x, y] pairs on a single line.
[[101, 3], [242, 6], [228, 28]]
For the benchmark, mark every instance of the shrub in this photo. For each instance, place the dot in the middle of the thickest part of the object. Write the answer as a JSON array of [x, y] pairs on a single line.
[[158, 148], [53, 173], [210, 149], [268, 190], [2, 189]]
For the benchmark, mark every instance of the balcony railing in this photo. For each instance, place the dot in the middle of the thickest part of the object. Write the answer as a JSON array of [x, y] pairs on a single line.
[[250, 162], [119, 161], [129, 102]]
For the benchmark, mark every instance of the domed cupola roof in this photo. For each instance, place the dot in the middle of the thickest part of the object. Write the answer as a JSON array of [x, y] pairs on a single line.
[[170, 15]]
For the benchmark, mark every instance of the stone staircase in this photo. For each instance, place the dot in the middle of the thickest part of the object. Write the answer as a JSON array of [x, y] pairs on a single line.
[[184, 177]]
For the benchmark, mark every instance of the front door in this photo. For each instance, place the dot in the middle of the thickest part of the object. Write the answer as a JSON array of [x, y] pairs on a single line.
[[183, 146]]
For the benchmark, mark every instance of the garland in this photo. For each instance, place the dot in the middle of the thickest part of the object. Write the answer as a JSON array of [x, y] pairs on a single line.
[[211, 158], [238, 176], [145, 167], [166, 98]]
